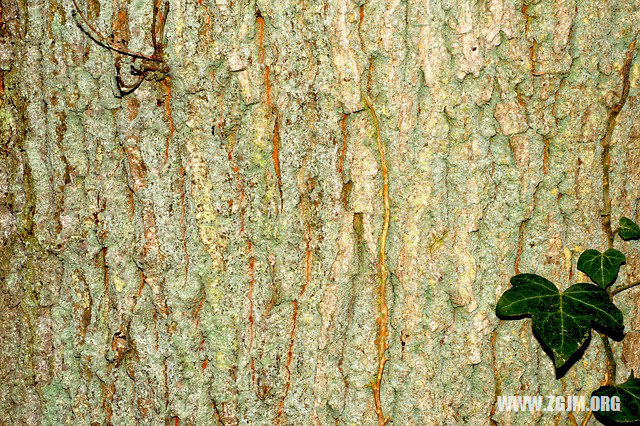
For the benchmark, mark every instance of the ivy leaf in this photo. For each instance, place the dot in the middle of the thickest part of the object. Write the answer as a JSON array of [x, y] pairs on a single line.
[[628, 229], [602, 268], [629, 394], [562, 321]]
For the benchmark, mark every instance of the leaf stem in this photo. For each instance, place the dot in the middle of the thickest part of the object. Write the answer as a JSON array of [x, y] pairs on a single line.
[[610, 377], [624, 287], [611, 362]]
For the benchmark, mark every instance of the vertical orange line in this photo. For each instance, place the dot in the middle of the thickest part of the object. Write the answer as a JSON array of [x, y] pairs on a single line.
[[267, 86], [1, 76], [383, 319], [276, 128], [184, 227], [276, 157], [260, 21], [167, 105], [343, 151]]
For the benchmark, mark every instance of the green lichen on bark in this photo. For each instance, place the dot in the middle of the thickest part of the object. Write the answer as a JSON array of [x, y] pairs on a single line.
[[125, 269]]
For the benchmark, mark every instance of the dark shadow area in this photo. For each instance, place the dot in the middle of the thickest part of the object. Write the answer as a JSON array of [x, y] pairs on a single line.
[[612, 334], [608, 422]]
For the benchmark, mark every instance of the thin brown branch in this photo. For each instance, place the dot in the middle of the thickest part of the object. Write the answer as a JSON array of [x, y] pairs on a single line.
[[586, 419], [157, 28], [383, 319], [160, 29], [624, 287], [606, 195], [104, 41], [606, 143], [125, 88], [154, 36]]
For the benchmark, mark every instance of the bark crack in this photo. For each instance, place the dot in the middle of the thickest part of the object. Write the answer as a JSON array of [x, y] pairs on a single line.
[[294, 318], [276, 127], [343, 149], [276, 157], [167, 105], [249, 251]]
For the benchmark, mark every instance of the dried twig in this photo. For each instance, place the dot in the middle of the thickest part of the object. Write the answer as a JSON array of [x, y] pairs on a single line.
[[107, 42], [150, 63]]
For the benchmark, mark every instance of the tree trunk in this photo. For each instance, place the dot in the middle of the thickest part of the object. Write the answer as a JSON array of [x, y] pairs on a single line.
[[314, 180]]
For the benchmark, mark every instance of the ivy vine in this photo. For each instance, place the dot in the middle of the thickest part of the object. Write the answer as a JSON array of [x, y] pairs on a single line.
[[562, 321]]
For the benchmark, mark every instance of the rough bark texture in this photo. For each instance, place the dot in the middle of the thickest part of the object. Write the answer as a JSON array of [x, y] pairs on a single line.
[[211, 248]]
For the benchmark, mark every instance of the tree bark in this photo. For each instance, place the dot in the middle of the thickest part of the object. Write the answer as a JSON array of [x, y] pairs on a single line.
[[323, 199]]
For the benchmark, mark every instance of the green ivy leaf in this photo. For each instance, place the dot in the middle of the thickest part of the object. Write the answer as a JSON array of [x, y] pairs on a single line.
[[628, 229], [629, 394], [602, 268], [562, 321]]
